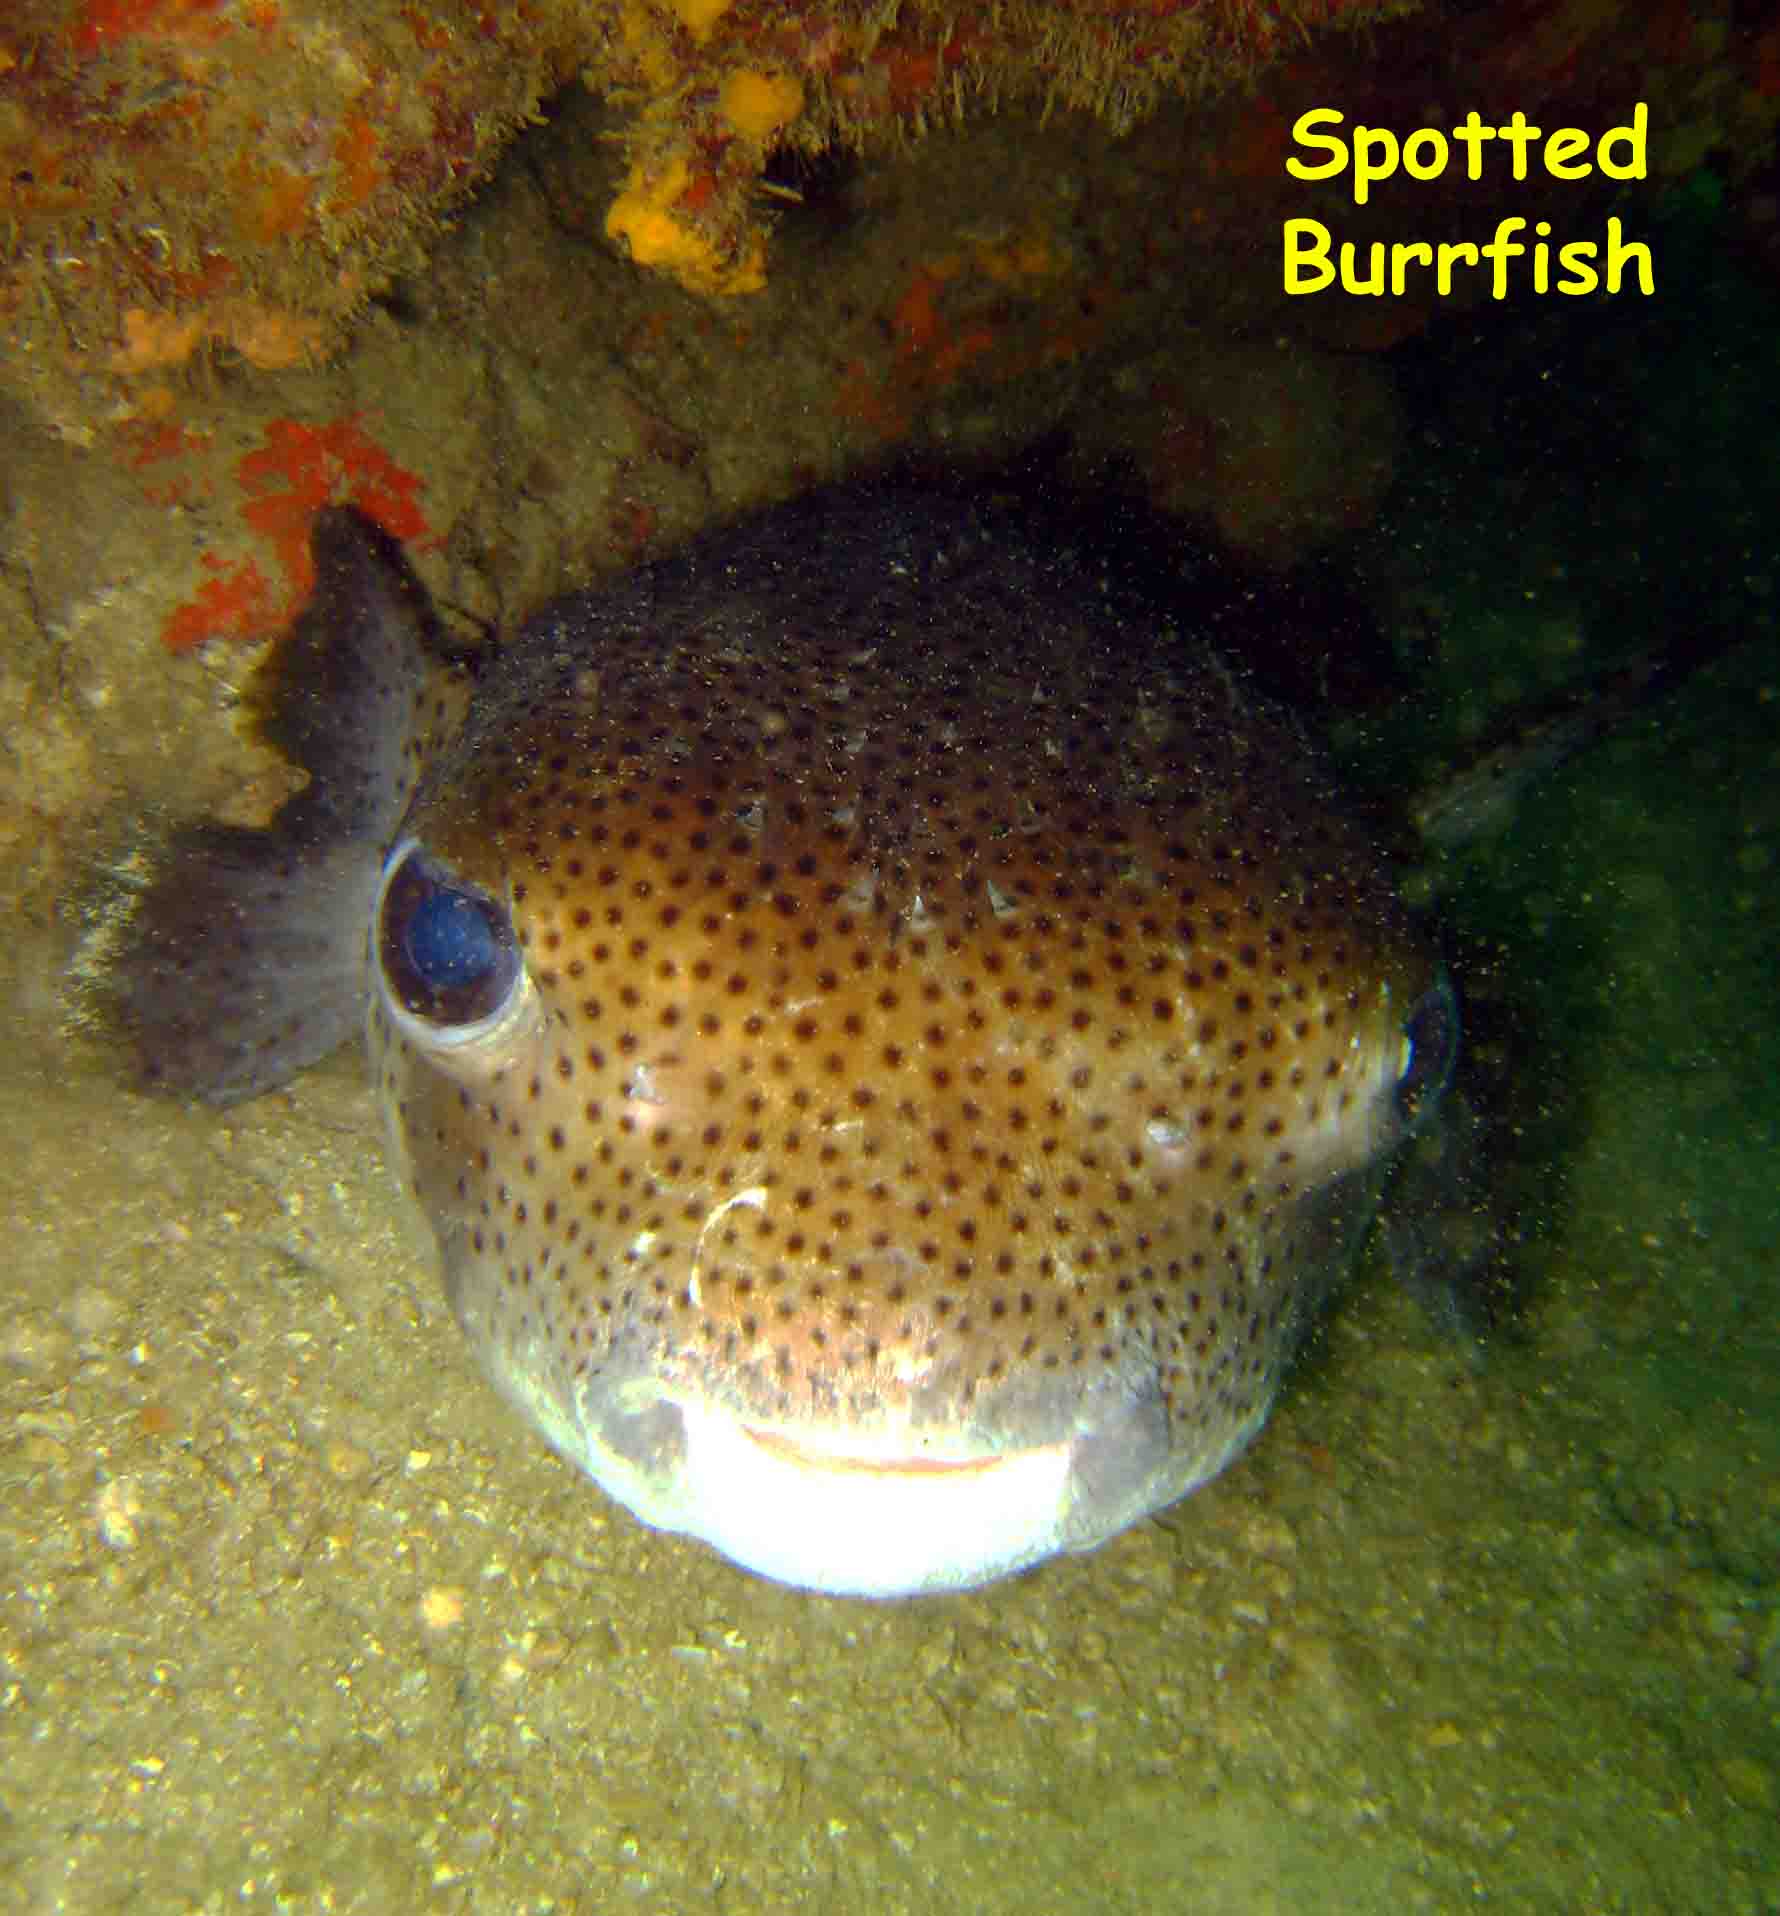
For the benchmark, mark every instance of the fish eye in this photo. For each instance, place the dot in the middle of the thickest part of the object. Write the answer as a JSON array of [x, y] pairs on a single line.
[[1430, 1046], [445, 947]]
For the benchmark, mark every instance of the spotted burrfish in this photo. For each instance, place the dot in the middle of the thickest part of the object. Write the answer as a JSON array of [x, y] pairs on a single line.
[[893, 1042]]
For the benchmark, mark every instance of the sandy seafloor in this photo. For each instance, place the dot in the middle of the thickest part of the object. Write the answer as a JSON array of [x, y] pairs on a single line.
[[294, 1615]]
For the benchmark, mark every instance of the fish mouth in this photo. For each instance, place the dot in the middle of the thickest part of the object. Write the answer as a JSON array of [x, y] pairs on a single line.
[[921, 1502], [887, 1513], [840, 1512], [806, 1455]]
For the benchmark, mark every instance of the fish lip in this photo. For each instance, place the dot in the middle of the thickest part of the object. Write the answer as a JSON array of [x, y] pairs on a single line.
[[862, 1521], [804, 1455]]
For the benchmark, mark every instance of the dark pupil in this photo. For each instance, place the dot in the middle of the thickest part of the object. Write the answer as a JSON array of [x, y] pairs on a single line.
[[446, 948], [449, 940]]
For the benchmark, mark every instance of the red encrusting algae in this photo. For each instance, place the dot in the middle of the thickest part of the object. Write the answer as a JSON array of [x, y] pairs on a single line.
[[299, 469], [236, 602], [101, 24]]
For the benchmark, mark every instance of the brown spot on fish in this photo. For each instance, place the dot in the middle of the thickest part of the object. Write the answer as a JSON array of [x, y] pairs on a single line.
[[893, 1045]]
